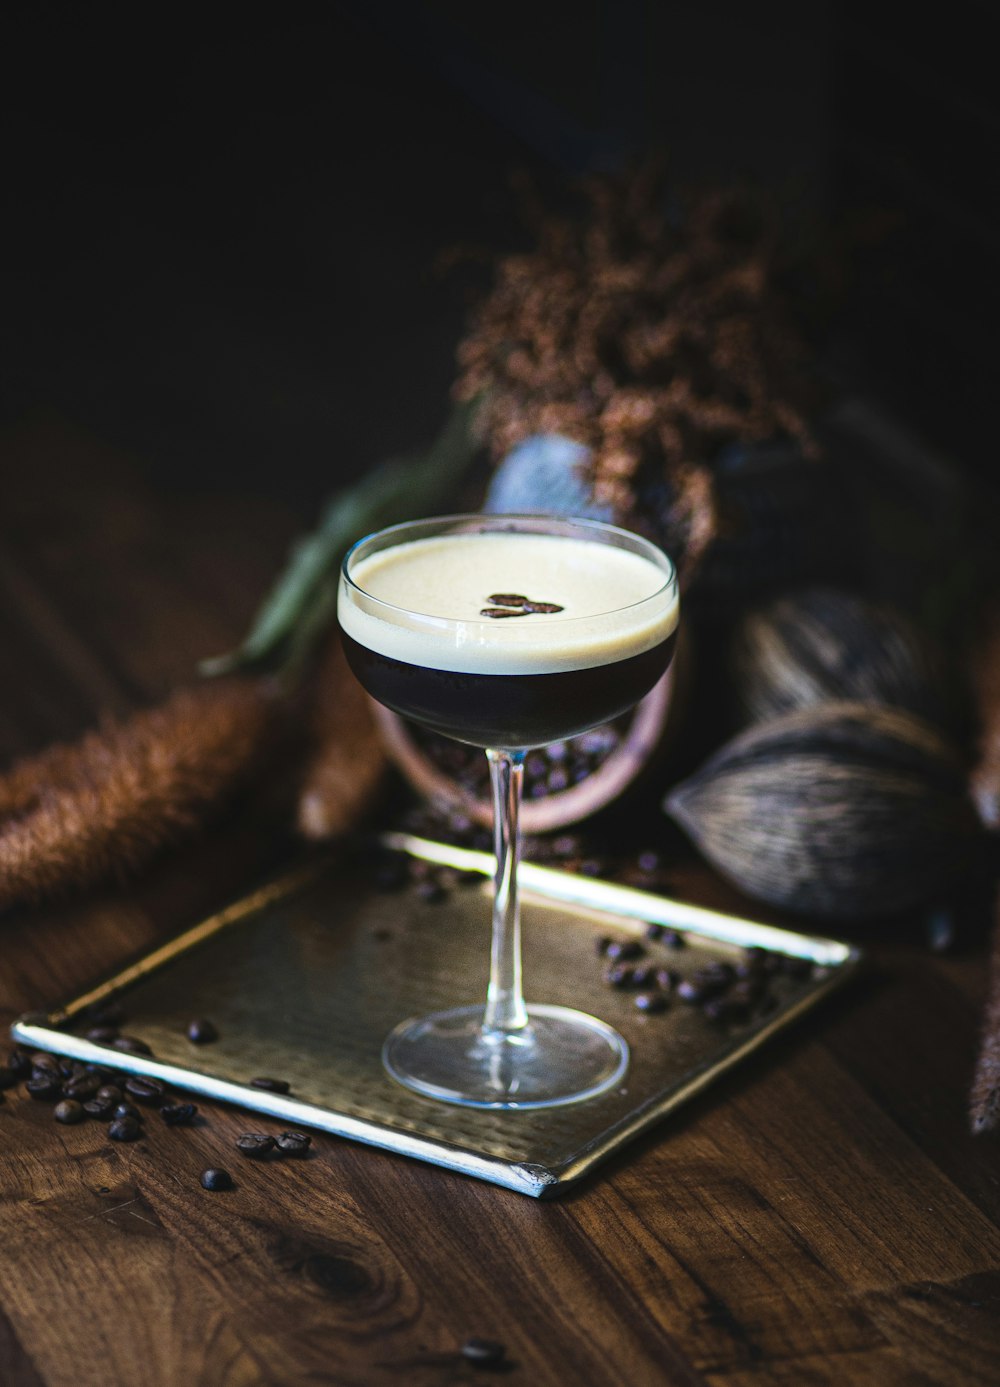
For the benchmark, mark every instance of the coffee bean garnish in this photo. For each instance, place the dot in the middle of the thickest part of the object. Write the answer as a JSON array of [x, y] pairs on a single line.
[[293, 1143], [254, 1144], [179, 1114], [216, 1179], [485, 1353], [516, 604], [131, 1045], [124, 1129], [82, 1087], [201, 1031], [651, 1001], [68, 1111], [618, 950], [103, 1035], [271, 1085], [127, 1110]]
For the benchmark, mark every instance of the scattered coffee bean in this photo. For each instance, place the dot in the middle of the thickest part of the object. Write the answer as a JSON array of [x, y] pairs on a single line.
[[254, 1144], [99, 1108], [651, 1001], [131, 1045], [103, 1035], [648, 861], [666, 979], [621, 949], [644, 975], [42, 1060], [215, 1179], [19, 1063], [68, 1111], [201, 1031], [591, 867], [82, 1087], [655, 932], [717, 973], [145, 1090], [271, 1085], [723, 1010], [485, 1353], [692, 992], [672, 939], [8, 1078], [179, 1114], [293, 1143], [747, 991], [618, 975], [127, 1110], [603, 944], [45, 1087], [109, 1093], [124, 1129]]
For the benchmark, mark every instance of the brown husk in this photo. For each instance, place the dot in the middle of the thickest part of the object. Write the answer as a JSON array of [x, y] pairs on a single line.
[[842, 810]]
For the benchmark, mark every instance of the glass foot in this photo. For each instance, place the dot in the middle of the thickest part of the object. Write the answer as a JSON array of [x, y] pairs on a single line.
[[562, 1056]]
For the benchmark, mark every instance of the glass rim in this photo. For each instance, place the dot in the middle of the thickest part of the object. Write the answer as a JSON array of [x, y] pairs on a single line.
[[601, 526]]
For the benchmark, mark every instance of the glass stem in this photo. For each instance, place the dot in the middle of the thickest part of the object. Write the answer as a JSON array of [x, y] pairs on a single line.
[[505, 1009]]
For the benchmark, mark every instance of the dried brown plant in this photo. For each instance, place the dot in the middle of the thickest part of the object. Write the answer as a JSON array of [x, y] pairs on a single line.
[[102, 807]]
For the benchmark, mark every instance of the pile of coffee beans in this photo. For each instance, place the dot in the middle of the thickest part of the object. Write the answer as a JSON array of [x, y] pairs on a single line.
[[727, 993], [548, 770]]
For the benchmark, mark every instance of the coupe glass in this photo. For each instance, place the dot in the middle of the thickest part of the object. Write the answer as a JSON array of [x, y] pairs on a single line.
[[507, 678]]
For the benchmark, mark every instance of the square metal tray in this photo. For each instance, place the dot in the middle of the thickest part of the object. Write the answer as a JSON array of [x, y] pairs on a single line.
[[306, 977]]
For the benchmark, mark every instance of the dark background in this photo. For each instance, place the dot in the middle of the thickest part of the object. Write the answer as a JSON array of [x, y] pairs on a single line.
[[221, 233]]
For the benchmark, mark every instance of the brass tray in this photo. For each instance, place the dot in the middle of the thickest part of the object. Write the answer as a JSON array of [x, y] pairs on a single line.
[[306, 977]]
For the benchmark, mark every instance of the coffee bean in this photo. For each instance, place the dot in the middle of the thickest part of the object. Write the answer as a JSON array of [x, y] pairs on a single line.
[[254, 1144], [666, 979], [648, 861], [68, 1111], [99, 1108], [746, 992], [643, 975], [603, 944], [127, 1110], [103, 1035], [42, 1060], [723, 1010], [131, 1045], [655, 932], [672, 939], [485, 1353], [145, 1090], [19, 1063], [215, 1179], [618, 975], [178, 1114], [82, 1087], [201, 1031], [109, 1093], [124, 1129], [621, 949], [271, 1085], [293, 1143], [688, 990], [716, 973], [45, 1087], [651, 1001], [8, 1078]]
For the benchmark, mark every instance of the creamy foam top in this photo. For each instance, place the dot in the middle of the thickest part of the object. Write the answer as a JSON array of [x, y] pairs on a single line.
[[615, 603]]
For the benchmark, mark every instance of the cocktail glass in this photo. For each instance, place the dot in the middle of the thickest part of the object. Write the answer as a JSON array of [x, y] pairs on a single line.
[[445, 621]]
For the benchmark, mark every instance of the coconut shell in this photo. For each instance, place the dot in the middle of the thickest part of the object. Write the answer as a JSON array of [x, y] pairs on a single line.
[[823, 645], [844, 810]]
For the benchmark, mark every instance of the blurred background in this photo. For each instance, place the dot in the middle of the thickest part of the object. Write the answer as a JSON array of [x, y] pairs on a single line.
[[223, 235]]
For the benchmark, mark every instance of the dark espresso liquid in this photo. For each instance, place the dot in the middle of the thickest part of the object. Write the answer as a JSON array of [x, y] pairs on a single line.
[[509, 710]]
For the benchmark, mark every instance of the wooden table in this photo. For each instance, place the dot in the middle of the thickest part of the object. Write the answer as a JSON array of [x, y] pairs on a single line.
[[821, 1216]]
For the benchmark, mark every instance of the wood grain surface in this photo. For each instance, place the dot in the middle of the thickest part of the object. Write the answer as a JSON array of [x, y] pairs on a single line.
[[820, 1217]]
